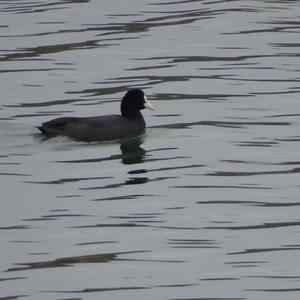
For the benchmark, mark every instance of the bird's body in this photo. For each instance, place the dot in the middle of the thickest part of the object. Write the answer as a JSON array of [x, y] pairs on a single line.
[[103, 128], [99, 128]]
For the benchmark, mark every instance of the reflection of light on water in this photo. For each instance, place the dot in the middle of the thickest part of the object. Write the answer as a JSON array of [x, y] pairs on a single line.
[[213, 185]]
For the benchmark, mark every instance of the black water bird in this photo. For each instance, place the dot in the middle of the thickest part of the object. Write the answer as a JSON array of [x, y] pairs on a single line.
[[104, 128]]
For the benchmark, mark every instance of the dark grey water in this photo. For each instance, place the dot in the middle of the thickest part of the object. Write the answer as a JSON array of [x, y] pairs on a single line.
[[205, 205]]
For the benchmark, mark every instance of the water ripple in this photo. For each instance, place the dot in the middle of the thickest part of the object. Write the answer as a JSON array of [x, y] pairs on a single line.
[[69, 261], [201, 207]]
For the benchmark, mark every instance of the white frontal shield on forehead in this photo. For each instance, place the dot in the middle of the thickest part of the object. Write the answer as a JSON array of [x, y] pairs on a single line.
[[147, 104]]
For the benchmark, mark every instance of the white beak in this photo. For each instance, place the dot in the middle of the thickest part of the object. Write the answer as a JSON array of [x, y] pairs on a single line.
[[147, 104]]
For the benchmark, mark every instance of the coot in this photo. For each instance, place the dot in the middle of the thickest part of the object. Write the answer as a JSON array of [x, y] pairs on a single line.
[[104, 128]]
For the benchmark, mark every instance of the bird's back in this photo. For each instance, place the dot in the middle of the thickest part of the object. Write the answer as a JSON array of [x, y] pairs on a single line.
[[100, 128]]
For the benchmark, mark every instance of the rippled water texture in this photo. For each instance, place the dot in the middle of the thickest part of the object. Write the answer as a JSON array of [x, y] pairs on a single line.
[[205, 205]]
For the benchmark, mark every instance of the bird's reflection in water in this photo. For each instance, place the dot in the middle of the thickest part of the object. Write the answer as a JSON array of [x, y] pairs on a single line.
[[132, 152]]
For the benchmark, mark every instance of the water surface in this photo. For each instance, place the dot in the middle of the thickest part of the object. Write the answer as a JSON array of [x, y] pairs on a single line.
[[204, 206]]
